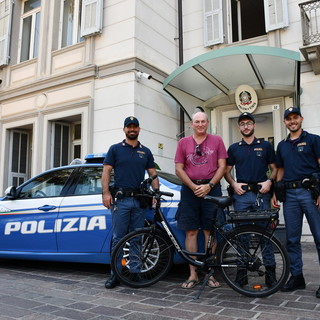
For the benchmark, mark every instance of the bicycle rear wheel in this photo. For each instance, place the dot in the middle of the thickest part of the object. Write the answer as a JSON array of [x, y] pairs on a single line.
[[142, 258], [252, 263]]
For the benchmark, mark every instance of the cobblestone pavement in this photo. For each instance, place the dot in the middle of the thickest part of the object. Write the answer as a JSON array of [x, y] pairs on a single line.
[[37, 290]]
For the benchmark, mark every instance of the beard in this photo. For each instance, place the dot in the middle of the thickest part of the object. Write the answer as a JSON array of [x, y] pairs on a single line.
[[297, 128], [248, 134], [132, 135]]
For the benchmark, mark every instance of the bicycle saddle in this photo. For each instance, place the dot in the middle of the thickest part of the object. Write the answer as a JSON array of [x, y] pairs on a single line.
[[221, 202]]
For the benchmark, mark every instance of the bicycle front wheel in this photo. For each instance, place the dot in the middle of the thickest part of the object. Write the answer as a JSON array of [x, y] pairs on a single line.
[[253, 263], [142, 258]]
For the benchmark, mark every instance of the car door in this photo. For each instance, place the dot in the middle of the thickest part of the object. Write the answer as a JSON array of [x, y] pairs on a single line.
[[29, 221], [86, 223]]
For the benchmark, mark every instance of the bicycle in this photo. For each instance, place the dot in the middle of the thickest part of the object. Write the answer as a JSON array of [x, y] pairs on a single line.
[[145, 256]]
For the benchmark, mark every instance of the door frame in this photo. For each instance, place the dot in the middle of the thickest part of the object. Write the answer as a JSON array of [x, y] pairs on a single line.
[[220, 120]]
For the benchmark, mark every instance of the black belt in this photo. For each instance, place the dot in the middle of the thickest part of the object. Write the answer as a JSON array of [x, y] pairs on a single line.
[[127, 192], [293, 184], [130, 193], [201, 181], [253, 187]]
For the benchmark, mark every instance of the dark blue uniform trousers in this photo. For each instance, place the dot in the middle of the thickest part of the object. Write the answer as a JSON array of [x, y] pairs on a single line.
[[299, 202]]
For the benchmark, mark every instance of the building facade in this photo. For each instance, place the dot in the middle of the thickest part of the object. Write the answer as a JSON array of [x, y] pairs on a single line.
[[72, 70], [69, 78]]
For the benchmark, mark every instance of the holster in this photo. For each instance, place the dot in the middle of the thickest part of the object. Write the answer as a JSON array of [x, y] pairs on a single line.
[[145, 202], [280, 190], [230, 190], [113, 190], [312, 183]]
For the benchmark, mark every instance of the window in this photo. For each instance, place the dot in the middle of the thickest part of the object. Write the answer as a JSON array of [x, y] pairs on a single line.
[[70, 14], [76, 141], [235, 20], [60, 144], [49, 184], [65, 141], [5, 28], [18, 165], [78, 19], [247, 19], [30, 28], [90, 181]]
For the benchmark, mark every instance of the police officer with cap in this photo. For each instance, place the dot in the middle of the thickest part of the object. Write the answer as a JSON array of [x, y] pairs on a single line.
[[252, 158], [129, 160], [298, 159]]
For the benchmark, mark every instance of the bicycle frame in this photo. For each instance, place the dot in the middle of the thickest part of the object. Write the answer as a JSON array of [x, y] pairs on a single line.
[[253, 261], [160, 218]]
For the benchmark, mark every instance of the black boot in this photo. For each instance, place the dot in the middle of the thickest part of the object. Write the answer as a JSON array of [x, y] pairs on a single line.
[[318, 293], [294, 283], [271, 279], [111, 282], [241, 277]]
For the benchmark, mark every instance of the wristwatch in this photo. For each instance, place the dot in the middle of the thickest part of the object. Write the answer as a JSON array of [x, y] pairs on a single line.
[[211, 185]]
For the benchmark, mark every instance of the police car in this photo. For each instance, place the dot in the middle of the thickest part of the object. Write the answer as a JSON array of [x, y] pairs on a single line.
[[58, 215]]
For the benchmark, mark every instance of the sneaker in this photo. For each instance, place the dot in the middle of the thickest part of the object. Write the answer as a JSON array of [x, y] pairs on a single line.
[[294, 283]]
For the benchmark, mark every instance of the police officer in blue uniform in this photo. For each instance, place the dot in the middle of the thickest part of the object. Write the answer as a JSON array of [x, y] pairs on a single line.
[[129, 160], [252, 158], [298, 159]]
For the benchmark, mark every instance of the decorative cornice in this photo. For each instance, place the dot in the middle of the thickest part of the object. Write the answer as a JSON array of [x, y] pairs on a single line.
[[130, 64], [83, 73], [50, 82]]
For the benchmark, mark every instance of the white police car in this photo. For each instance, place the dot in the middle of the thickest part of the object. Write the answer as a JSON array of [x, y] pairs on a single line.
[[58, 215]]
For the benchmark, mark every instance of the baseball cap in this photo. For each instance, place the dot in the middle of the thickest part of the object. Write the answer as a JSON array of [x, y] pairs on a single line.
[[292, 110], [130, 120], [246, 115]]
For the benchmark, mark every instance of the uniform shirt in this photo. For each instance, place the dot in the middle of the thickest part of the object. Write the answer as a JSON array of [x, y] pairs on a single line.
[[251, 161], [202, 166], [129, 164], [299, 157]]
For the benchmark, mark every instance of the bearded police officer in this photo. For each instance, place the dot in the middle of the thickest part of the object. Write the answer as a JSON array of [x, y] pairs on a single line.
[[252, 158], [129, 159], [298, 159]]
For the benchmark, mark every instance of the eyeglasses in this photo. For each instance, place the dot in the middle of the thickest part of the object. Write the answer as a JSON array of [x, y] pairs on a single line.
[[246, 124], [198, 150]]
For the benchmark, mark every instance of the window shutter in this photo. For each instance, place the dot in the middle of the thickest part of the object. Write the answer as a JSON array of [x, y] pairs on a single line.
[[213, 22], [91, 17], [276, 14], [5, 29]]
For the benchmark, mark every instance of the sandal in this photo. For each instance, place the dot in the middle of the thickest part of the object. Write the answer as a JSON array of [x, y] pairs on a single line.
[[192, 283], [213, 283]]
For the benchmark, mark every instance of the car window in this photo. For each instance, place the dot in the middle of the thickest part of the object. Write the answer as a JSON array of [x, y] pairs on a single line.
[[49, 184], [89, 181]]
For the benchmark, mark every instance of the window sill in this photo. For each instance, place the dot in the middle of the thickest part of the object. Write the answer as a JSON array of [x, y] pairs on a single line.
[[249, 41]]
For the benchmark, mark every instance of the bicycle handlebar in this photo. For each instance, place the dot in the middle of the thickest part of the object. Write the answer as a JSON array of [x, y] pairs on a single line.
[[147, 191]]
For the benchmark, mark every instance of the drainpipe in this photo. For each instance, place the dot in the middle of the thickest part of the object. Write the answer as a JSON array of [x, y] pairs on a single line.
[[180, 29]]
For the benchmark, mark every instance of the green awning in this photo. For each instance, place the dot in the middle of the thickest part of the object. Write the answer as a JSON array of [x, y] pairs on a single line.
[[211, 79]]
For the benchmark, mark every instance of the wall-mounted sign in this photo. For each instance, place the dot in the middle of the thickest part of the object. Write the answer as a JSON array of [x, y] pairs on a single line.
[[246, 99]]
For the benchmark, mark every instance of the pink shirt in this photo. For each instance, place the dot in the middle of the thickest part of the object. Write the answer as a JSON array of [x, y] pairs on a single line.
[[202, 166]]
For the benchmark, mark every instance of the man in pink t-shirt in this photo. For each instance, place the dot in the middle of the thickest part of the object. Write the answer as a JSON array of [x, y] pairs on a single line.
[[200, 163]]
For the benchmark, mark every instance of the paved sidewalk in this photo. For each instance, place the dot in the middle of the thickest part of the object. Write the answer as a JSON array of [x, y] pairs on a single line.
[[36, 290]]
